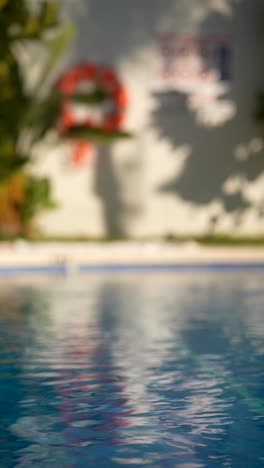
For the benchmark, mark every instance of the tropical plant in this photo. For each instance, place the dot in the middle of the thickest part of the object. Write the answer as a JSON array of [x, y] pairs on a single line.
[[28, 111]]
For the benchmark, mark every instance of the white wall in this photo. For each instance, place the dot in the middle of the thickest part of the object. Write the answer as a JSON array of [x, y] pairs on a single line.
[[187, 170]]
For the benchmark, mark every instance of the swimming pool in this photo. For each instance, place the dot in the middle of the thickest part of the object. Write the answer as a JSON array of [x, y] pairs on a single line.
[[140, 369]]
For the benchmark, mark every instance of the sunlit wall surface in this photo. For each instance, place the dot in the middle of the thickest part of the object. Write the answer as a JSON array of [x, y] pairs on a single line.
[[192, 70]]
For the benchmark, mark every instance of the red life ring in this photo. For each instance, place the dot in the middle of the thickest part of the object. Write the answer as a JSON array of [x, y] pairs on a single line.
[[111, 120]]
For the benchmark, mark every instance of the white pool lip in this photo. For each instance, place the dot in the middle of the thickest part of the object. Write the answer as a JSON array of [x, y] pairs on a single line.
[[23, 257]]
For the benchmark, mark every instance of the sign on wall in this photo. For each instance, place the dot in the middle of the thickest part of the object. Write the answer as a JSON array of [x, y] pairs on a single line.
[[194, 58], [195, 69]]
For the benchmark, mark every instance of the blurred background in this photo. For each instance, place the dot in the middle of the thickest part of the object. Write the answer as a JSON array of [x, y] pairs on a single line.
[[192, 75]]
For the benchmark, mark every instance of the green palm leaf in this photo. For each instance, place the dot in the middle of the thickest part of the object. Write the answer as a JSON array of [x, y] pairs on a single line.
[[96, 134]]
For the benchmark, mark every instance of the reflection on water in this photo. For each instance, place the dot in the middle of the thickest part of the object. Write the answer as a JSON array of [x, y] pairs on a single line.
[[144, 369]]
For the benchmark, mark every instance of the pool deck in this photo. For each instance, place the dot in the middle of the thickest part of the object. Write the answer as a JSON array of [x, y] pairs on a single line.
[[23, 257]]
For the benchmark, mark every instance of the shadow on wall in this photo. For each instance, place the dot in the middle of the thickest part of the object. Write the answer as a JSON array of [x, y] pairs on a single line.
[[224, 158], [106, 188], [117, 31], [108, 35], [137, 25], [116, 208]]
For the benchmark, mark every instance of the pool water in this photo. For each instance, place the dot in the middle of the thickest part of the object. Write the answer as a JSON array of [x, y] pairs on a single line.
[[147, 369]]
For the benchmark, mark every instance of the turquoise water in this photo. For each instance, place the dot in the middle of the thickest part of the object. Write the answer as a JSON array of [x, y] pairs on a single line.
[[162, 370]]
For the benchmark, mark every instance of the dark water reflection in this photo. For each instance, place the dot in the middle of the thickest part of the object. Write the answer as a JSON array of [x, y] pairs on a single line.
[[156, 370]]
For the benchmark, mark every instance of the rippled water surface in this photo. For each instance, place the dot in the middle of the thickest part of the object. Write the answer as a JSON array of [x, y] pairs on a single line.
[[162, 370]]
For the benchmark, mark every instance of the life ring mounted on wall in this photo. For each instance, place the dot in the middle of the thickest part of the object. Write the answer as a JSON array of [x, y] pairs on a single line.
[[110, 119]]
